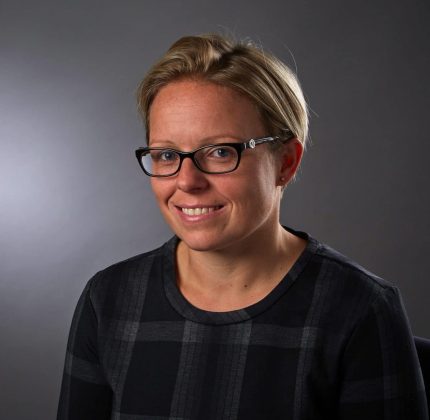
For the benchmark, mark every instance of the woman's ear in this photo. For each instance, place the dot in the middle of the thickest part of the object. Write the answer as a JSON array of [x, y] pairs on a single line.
[[291, 155]]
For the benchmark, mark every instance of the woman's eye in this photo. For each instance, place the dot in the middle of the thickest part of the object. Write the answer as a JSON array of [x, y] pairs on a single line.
[[221, 152], [165, 155]]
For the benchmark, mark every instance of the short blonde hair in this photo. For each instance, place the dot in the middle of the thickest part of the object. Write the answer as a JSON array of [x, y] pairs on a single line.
[[240, 65]]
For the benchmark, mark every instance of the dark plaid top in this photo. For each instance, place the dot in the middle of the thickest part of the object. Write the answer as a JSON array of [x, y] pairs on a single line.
[[331, 341]]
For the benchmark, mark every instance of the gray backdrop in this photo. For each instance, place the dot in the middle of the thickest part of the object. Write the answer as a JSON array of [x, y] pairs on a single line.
[[73, 199]]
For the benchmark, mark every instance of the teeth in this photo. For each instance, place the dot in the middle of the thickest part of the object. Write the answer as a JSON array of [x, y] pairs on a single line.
[[197, 211]]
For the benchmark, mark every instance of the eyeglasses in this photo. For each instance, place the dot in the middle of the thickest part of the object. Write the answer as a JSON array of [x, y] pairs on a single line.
[[219, 158]]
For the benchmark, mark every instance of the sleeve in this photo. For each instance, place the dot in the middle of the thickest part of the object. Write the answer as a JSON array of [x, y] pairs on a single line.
[[85, 393], [381, 373]]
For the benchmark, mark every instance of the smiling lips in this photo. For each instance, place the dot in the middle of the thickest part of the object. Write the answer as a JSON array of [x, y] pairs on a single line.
[[197, 211]]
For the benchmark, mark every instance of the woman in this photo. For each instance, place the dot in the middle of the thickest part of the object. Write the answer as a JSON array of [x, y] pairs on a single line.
[[236, 317]]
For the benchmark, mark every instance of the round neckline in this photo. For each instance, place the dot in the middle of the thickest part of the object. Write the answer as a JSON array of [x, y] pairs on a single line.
[[195, 314]]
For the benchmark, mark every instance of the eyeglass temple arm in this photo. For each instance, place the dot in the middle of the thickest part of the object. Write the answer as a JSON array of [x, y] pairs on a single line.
[[255, 142]]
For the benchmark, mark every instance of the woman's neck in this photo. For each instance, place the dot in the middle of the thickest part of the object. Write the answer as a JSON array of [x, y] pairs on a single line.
[[239, 276]]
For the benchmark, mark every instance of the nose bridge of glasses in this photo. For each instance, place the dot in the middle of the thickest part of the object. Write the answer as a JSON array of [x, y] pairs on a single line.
[[192, 157]]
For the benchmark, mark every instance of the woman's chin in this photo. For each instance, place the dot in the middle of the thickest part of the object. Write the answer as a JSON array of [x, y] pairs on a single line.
[[197, 245], [203, 242]]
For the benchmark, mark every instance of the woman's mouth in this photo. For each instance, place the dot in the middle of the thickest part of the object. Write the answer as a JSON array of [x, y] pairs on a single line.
[[197, 211]]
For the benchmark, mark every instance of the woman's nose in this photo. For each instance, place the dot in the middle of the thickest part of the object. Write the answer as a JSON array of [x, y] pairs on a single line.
[[191, 178]]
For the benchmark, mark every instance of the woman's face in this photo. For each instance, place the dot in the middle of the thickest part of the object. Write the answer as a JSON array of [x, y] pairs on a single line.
[[234, 207]]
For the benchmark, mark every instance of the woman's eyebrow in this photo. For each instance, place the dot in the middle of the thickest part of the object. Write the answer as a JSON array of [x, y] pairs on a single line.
[[161, 143], [219, 138]]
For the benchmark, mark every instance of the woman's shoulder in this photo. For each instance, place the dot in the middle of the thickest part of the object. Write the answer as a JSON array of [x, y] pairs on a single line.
[[347, 264], [343, 296], [324, 261], [128, 276], [347, 278]]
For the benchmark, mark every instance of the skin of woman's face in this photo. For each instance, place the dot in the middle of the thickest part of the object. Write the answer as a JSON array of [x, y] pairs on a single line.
[[241, 205]]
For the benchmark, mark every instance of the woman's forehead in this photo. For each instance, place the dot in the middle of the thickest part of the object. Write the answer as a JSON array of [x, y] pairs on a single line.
[[192, 110]]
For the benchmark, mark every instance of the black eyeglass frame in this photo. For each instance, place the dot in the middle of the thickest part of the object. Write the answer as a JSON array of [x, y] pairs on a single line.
[[240, 147]]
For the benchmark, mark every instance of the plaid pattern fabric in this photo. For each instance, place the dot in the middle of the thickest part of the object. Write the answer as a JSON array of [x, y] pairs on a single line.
[[331, 341]]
